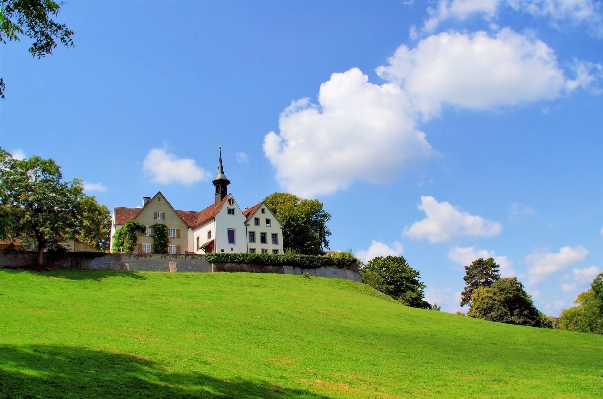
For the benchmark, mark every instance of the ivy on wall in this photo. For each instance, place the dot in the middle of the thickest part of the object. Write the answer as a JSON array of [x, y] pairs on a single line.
[[160, 238], [124, 239]]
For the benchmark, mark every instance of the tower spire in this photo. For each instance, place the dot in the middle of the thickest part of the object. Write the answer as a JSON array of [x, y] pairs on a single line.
[[221, 182]]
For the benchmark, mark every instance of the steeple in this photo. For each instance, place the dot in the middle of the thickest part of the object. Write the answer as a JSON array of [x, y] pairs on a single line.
[[220, 182]]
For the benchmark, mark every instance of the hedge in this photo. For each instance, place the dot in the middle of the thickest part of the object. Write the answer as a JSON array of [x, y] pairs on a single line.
[[288, 259]]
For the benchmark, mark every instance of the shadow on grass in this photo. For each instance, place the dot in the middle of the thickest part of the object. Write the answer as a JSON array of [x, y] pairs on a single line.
[[72, 274], [64, 372]]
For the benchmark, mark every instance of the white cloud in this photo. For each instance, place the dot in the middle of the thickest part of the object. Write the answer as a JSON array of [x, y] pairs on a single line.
[[446, 298], [559, 12], [445, 222], [476, 71], [242, 157], [18, 154], [464, 257], [518, 210], [380, 249], [544, 263], [94, 187], [359, 130], [167, 168], [582, 279], [459, 9]]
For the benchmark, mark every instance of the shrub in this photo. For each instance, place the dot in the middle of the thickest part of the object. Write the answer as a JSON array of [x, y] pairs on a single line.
[[287, 259]]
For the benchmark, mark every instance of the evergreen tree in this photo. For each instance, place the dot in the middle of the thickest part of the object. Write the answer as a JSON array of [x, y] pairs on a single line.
[[481, 273]]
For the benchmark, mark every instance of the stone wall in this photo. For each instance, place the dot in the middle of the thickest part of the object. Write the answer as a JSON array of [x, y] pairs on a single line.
[[161, 262]]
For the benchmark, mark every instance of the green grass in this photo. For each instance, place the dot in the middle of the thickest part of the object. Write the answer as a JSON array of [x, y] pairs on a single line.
[[235, 335]]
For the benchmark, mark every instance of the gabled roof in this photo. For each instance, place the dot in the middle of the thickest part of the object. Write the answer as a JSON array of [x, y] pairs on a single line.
[[248, 212], [123, 215], [209, 213]]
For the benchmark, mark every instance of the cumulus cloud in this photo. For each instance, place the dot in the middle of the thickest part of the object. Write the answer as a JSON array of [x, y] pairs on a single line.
[[242, 157], [359, 130], [446, 298], [559, 12], [582, 279], [94, 187], [166, 168], [444, 223], [464, 257], [380, 249], [544, 263], [18, 154]]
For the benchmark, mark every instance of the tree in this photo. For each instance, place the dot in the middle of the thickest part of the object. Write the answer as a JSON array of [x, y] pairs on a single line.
[[37, 205], [588, 315], [93, 224], [33, 18], [394, 277], [304, 223], [481, 273], [505, 301]]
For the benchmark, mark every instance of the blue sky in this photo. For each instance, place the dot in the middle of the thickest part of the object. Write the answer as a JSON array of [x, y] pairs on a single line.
[[442, 130]]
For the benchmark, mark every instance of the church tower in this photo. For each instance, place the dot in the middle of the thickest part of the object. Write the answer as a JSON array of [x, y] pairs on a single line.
[[220, 182]]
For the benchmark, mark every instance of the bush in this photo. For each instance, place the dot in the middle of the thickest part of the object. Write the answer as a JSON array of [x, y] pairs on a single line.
[[588, 315], [505, 301], [287, 259]]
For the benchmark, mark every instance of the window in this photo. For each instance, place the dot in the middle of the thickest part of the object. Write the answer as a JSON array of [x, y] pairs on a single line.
[[256, 221], [252, 236], [148, 232], [251, 250], [209, 234], [275, 251], [263, 210], [231, 236], [275, 238], [231, 211], [198, 242], [263, 238], [172, 249], [264, 251], [159, 215], [268, 223], [146, 248], [172, 233]]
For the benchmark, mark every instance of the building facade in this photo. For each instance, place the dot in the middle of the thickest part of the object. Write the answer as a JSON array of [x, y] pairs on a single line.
[[220, 227]]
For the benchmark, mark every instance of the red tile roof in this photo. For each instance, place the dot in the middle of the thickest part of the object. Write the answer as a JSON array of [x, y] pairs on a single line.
[[123, 215], [248, 212]]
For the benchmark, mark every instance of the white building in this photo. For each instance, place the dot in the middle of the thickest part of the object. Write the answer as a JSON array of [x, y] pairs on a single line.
[[220, 227]]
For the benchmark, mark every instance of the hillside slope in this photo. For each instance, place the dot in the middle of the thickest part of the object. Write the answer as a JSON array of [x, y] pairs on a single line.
[[148, 335]]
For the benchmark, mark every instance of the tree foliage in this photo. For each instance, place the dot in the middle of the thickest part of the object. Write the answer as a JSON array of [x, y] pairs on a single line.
[[160, 238], [480, 273], [125, 238], [37, 203], [93, 224], [304, 223], [394, 277], [33, 18], [588, 315], [505, 301]]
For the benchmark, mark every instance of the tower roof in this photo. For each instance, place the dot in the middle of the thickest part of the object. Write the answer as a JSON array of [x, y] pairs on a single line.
[[220, 175]]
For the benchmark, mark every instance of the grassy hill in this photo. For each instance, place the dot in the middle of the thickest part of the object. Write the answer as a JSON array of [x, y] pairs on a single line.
[[237, 335]]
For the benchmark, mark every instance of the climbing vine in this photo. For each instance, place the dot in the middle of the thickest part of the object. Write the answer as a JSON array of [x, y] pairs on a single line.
[[124, 239], [160, 238]]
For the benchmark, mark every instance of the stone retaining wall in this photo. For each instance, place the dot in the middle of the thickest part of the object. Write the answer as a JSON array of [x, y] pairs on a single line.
[[162, 262]]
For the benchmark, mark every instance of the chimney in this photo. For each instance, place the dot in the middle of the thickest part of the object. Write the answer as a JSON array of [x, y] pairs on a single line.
[[145, 200]]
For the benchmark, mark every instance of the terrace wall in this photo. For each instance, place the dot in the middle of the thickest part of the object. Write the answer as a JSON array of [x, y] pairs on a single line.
[[161, 262]]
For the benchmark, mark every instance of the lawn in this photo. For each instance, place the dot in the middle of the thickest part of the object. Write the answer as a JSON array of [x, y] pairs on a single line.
[[90, 334]]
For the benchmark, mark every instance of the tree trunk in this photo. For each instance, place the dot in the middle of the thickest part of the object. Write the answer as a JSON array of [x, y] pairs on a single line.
[[40, 255]]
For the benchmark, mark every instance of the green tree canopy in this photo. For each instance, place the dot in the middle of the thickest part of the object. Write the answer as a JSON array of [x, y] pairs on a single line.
[[505, 301], [304, 223], [480, 273], [394, 277], [588, 315], [37, 205], [33, 18], [93, 224]]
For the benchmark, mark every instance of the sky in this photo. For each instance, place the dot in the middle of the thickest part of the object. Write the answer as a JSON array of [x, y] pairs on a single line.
[[442, 131]]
